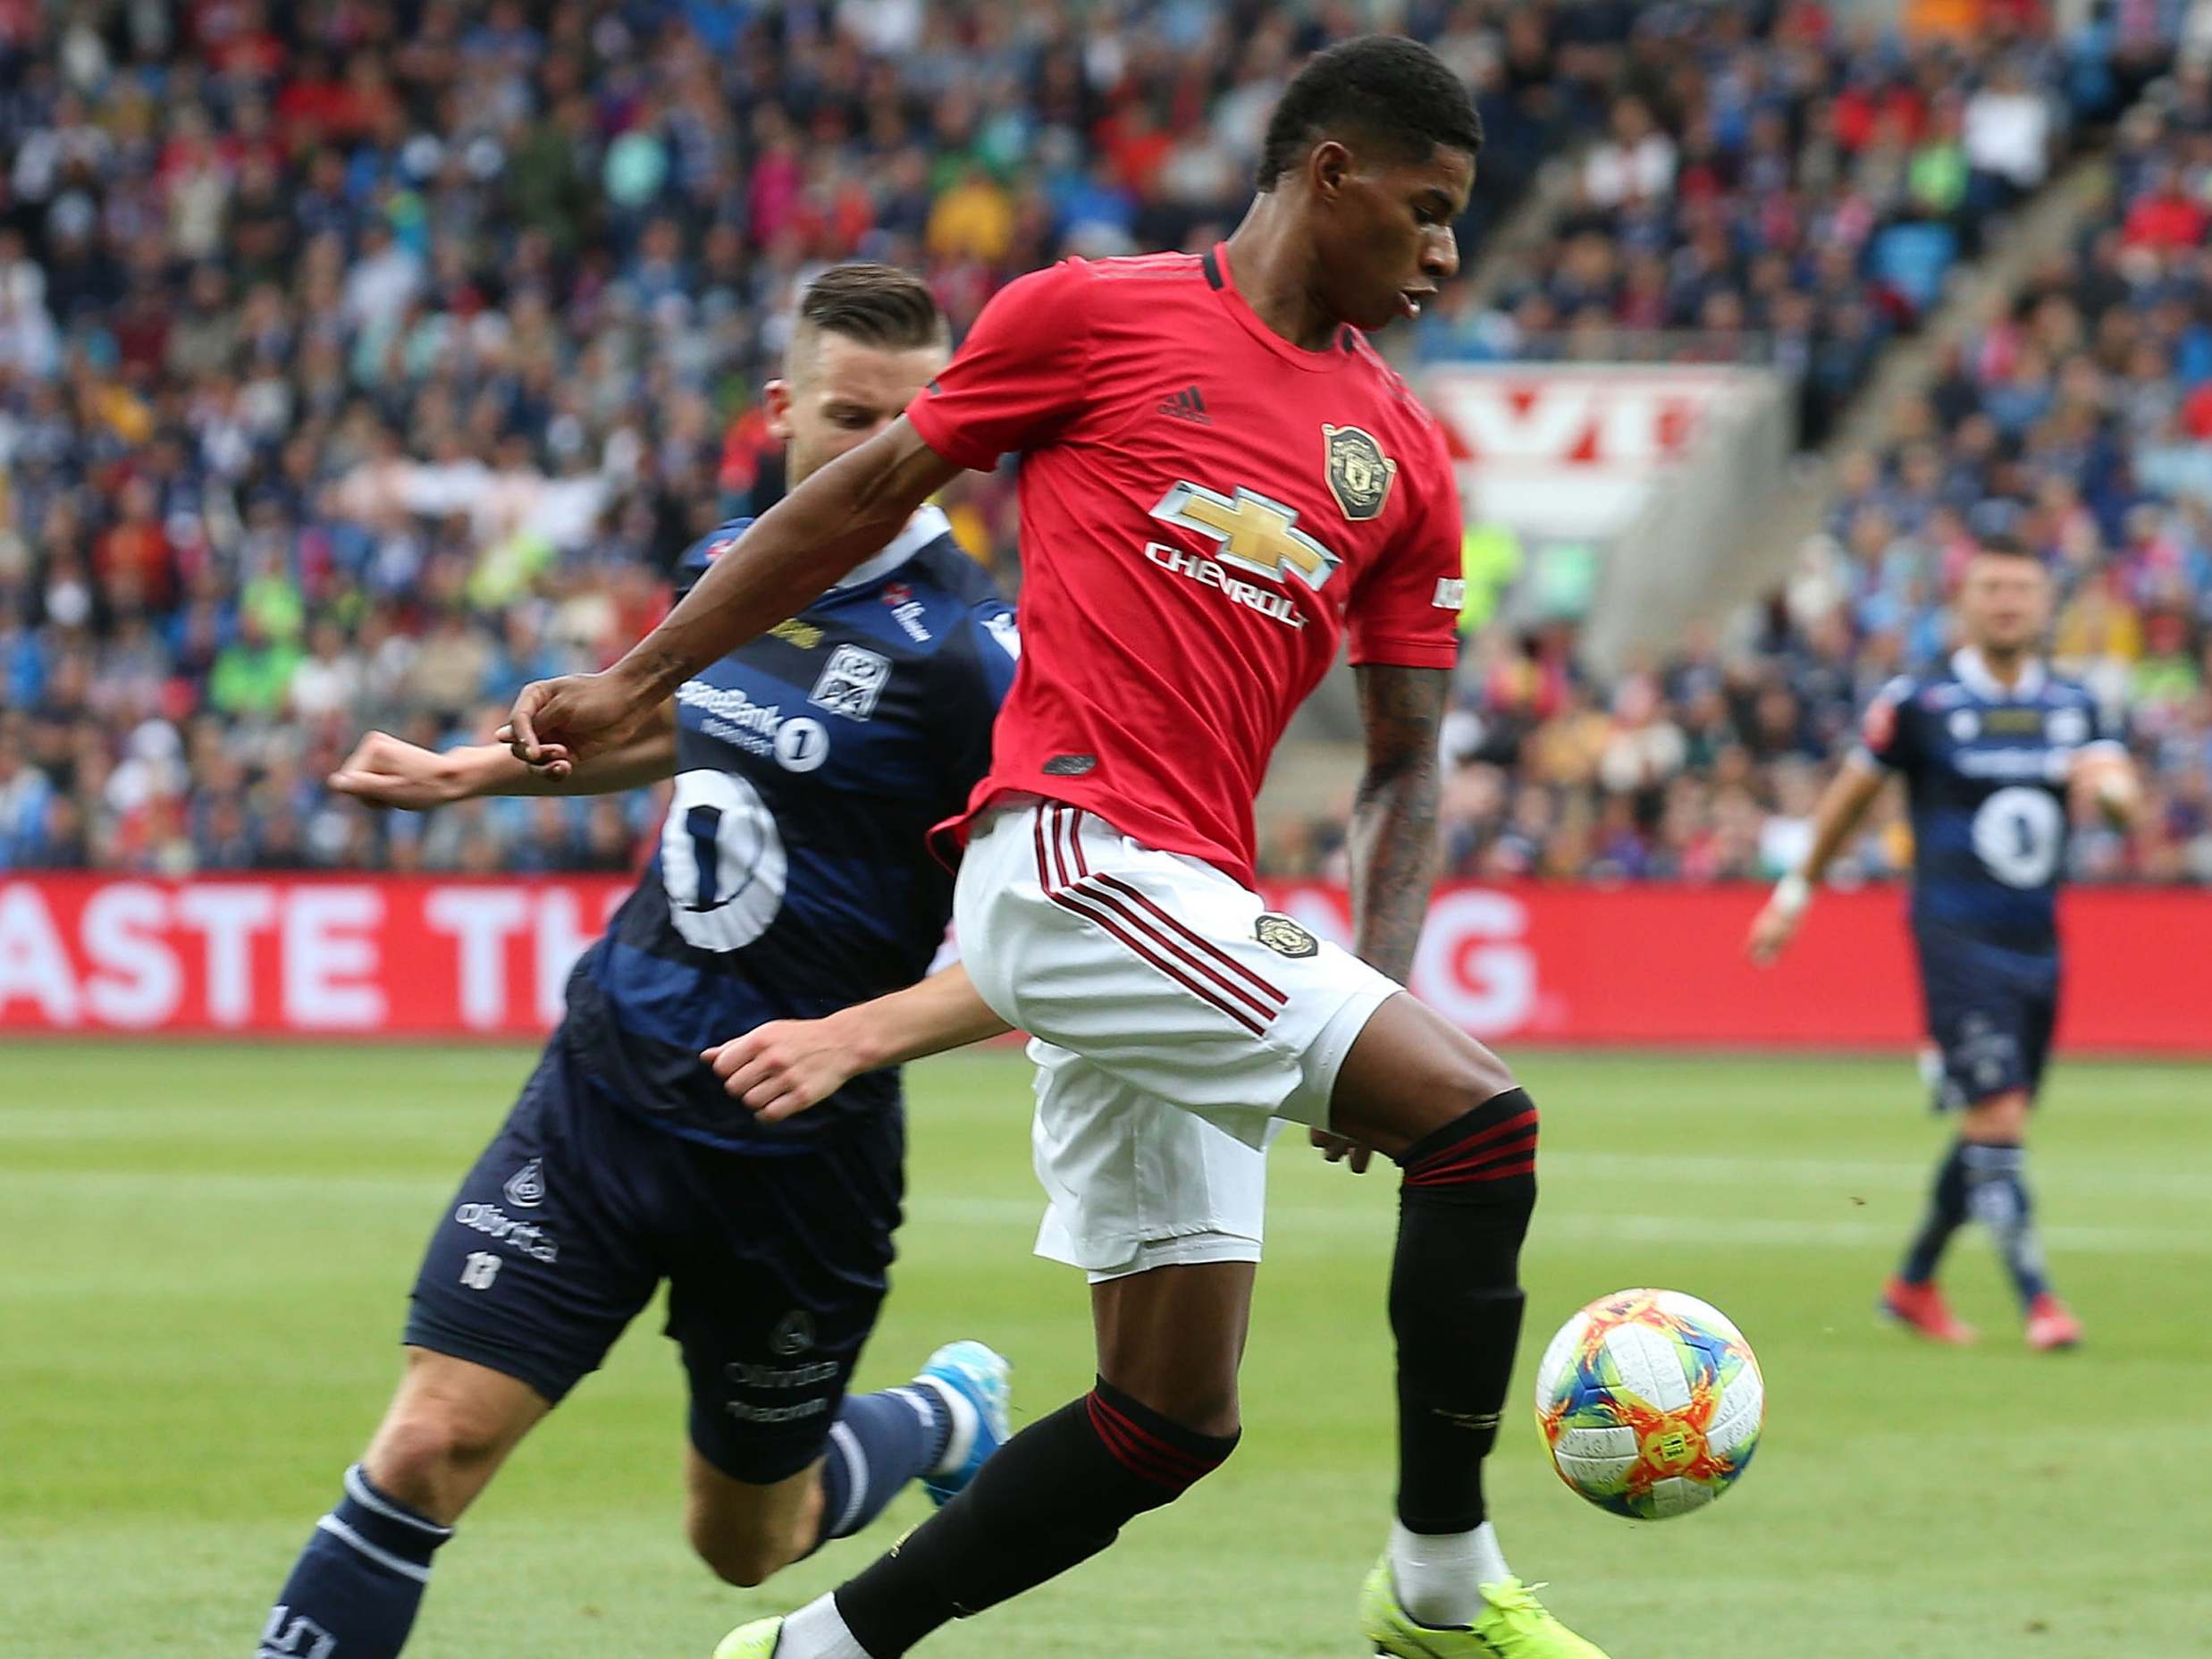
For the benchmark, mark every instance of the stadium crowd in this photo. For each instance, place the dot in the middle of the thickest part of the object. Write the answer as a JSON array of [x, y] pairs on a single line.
[[1797, 185], [359, 364], [2079, 424]]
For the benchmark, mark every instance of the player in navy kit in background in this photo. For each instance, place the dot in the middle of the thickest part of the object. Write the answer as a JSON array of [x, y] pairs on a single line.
[[1997, 756], [792, 878]]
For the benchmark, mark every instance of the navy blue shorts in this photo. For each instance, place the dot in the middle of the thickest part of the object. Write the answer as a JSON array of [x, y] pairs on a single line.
[[776, 1262], [1990, 1013]]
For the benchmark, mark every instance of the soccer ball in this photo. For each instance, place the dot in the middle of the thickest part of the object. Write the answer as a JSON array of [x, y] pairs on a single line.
[[1651, 1402]]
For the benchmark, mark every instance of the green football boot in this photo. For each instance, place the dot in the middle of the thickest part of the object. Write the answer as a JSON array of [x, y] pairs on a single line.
[[756, 1640], [1512, 1625]]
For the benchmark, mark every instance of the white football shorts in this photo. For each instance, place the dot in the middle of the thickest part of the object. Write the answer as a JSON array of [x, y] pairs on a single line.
[[1175, 1020]]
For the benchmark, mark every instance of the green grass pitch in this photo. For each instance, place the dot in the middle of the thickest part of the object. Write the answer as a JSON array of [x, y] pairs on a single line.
[[204, 1252]]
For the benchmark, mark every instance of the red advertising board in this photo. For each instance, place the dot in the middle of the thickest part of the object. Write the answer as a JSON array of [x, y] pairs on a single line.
[[422, 957]]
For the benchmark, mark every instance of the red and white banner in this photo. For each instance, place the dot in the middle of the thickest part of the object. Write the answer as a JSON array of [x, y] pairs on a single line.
[[293, 956], [1657, 965], [1571, 450], [417, 957]]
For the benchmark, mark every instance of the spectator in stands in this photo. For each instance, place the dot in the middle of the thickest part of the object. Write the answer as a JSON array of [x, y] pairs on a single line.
[[1634, 165], [348, 376], [348, 379]]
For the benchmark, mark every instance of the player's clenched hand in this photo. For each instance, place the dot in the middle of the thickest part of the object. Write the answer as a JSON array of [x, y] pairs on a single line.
[[1337, 1150], [1772, 928], [783, 1067], [558, 722], [385, 770]]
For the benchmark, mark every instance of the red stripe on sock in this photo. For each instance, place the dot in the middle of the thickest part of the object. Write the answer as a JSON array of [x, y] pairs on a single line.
[[1464, 1177], [1162, 1453], [1124, 1453], [1144, 1453], [1523, 1147], [1472, 1168], [1459, 1150]]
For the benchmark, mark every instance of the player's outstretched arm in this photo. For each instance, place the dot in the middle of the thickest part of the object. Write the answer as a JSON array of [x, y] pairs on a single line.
[[385, 770], [839, 516], [1848, 795], [783, 1067]]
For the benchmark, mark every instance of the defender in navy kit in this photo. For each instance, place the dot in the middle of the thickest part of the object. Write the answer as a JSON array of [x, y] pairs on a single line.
[[792, 878], [1998, 756]]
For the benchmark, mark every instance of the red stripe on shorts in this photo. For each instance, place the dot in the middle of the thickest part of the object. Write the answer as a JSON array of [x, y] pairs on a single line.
[[1166, 944], [1083, 903], [1075, 841], [1200, 939], [1044, 871]]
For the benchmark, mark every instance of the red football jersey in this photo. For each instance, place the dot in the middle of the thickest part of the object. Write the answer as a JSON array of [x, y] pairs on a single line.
[[1207, 509]]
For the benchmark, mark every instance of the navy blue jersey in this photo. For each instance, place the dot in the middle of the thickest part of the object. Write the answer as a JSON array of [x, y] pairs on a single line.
[[1985, 770], [793, 875]]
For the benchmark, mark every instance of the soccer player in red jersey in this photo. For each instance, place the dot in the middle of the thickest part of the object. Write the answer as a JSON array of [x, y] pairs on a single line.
[[1221, 481]]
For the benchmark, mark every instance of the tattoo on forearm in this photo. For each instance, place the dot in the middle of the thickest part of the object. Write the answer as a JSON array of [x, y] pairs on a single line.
[[1393, 823]]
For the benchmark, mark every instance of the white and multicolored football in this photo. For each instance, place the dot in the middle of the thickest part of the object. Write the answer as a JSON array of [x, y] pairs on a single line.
[[1651, 1402]]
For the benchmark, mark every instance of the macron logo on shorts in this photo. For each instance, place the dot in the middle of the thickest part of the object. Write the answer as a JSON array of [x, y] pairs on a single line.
[[526, 1188]]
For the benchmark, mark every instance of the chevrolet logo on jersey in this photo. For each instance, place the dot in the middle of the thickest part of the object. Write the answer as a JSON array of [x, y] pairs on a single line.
[[1360, 474], [1255, 533]]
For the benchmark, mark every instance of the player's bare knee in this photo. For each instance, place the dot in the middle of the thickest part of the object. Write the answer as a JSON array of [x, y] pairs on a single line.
[[445, 1434], [429, 1452], [1166, 1454], [1410, 1074], [1171, 1340], [2002, 1119], [1201, 1408], [743, 1557], [746, 1534]]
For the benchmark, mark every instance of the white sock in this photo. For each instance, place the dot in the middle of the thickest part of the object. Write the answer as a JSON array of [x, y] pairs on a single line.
[[965, 1422], [1438, 1574], [817, 1631]]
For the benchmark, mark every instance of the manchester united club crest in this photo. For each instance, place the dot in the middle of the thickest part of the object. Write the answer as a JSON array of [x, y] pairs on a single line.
[[1283, 936], [1360, 474]]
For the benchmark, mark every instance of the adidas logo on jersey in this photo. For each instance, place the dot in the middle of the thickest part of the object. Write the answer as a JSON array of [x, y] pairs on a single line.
[[1189, 404]]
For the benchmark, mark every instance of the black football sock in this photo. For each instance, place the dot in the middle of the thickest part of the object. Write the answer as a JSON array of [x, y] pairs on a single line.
[[1947, 1213], [354, 1588], [1997, 1196], [1455, 1304], [1055, 1495]]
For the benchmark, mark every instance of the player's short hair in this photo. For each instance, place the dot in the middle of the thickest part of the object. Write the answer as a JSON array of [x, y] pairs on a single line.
[[1382, 88], [2010, 547], [872, 305]]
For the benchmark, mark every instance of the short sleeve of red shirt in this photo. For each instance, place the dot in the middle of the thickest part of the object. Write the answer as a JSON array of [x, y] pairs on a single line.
[[1406, 612], [1019, 378]]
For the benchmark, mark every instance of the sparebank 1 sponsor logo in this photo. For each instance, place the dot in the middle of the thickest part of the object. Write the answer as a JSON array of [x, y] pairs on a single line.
[[797, 743]]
